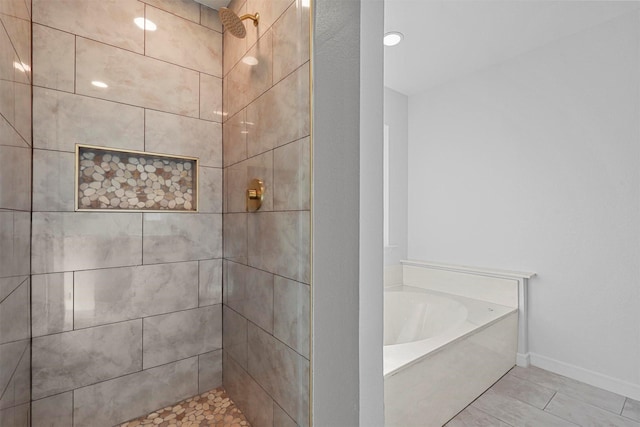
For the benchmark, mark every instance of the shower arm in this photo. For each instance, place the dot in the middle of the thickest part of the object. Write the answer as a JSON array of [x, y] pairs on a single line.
[[255, 18]]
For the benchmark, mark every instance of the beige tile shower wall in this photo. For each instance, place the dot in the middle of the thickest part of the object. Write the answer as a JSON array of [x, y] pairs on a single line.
[[126, 307], [15, 206], [267, 253]]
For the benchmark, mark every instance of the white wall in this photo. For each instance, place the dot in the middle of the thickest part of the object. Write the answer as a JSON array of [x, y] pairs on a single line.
[[396, 116], [534, 164]]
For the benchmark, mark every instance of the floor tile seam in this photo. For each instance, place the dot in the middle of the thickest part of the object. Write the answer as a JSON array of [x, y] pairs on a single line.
[[534, 409], [590, 405], [484, 412]]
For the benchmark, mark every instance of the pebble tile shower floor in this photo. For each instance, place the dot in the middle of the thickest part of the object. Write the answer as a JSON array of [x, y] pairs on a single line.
[[212, 409]]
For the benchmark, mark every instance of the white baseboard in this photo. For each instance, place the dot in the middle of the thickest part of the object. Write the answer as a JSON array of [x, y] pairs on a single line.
[[587, 376], [523, 360]]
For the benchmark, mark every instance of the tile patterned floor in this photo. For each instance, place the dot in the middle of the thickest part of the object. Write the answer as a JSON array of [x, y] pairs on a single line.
[[534, 397], [212, 409]]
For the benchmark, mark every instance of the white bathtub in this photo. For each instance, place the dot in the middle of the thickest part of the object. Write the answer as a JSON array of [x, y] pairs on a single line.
[[443, 350]]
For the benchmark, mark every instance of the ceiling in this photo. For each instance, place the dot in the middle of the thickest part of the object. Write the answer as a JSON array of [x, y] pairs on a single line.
[[444, 39], [214, 4]]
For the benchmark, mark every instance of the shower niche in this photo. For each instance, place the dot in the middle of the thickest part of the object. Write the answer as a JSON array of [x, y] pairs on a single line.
[[121, 180]]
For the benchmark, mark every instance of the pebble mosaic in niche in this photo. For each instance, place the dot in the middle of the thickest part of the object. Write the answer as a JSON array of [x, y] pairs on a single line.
[[109, 179]]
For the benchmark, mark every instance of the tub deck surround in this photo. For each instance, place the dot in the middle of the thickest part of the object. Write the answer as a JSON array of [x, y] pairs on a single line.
[[477, 315], [433, 370]]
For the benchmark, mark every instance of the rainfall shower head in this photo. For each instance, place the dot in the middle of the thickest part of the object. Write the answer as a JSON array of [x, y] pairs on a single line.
[[233, 22]]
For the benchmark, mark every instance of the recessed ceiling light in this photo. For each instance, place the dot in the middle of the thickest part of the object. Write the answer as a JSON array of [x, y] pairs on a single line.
[[145, 24], [250, 60], [393, 38], [99, 84]]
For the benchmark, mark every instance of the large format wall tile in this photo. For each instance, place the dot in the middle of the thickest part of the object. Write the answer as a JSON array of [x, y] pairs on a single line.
[[210, 98], [246, 81], [14, 315], [184, 43], [281, 419], [235, 237], [135, 79], [184, 136], [175, 336], [15, 178], [17, 8], [210, 190], [81, 241], [187, 9], [15, 228], [9, 284], [10, 356], [15, 106], [69, 360], [286, 104], [108, 21], [290, 40], [181, 237], [210, 282], [19, 31], [234, 336], [233, 47], [11, 137], [254, 402], [54, 411], [234, 139], [62, 120], [53, 181], [282, 244], [210, 19], [51, 303], [291, 176], [54, 58], [250, 292], [291, 313], [209, 371], [121, 399], [117, 294], [282, 372], [270, 11]]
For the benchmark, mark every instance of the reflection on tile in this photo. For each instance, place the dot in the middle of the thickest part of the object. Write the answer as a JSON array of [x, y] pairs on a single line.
[[175, 336], [71, 241], [595, 396], [234, 139], [51, 303], [291, 176], [250, 292], [173, 34], [69, 360], [14, 315], [117, 294], [235, 336], [287, 104], [209, 371], [290, 40], [135, 79], [631, 409], [9, 284], [53, 58], [472, 417], [110, 22], [210, 189], [54, 411], [246, 82], [184, 8], [53, 181], [533, 394], [284, 244], [19, 31], [281, 419], [515, 412], [239, 176], [585, 415], [15, 178], [10, 356], [136, 394], [210, 282], [282, 372], [210, 98], [181, 237], [235, 237], [14, 243], [183, 136], [60, 121], [291, 314], [210, 19], [255, 403]]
